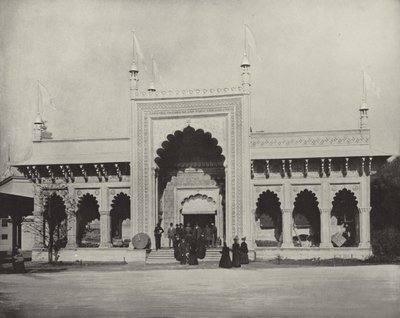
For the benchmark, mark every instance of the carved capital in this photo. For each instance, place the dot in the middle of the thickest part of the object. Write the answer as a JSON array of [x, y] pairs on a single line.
[[289, 211], [365, 210], [325, 210], [102, 213]]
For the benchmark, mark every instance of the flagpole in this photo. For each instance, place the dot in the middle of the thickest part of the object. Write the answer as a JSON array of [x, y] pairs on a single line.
[[38, 101], [133, 45], [245, 39], [364, 96]]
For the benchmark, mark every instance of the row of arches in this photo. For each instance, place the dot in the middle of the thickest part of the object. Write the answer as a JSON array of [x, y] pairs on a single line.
[[306, 218], [87, 218]]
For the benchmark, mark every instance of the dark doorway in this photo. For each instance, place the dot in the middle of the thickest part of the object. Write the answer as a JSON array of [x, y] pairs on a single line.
[[201, 219]]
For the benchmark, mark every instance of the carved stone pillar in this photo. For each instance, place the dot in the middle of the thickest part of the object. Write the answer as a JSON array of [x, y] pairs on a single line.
[[287, 224], [105, 229], [38, 219], [71, 235], [365, 228], [325, 228]]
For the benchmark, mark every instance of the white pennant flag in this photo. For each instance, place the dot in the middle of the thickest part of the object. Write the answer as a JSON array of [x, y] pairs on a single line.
[[370, 85], [46, 102], [250, 42], [156, 74], [138, 51]]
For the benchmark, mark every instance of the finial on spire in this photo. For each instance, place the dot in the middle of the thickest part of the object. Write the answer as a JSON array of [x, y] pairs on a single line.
[[364, 106], [134, 70]]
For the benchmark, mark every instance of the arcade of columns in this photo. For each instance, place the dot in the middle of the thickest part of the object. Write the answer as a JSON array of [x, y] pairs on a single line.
[[324, 177]]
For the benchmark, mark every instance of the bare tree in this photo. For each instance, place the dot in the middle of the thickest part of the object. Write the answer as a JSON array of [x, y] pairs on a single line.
[[58, 210]]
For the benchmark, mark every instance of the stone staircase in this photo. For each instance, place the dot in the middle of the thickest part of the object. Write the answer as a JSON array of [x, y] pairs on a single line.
[[166, 256]]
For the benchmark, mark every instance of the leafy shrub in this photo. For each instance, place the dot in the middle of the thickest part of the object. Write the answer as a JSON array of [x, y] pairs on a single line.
[[386, 245]]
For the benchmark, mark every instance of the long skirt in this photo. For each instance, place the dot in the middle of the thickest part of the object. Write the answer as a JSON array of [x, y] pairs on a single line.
[[244, 258], [236, 259], [193, 259], [225, 261]]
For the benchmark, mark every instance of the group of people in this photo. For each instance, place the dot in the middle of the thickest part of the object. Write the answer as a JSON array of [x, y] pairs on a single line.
[[209, 234], [239, 254], [190, 244]]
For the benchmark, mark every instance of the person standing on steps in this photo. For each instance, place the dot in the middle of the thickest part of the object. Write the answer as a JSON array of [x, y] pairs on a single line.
[[158, 231], [171, 234]]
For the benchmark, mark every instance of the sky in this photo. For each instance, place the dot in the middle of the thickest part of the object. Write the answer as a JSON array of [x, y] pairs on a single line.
[[308, 77]]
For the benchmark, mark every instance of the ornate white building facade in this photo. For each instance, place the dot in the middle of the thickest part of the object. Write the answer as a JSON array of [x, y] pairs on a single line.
[[191, 157]]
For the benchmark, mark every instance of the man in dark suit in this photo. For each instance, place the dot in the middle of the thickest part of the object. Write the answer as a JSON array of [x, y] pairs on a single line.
[[197, 231], [158, 231]]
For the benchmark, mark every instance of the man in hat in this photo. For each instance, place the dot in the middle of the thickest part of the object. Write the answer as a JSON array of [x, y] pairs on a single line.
[[170, 234], [158, 231]]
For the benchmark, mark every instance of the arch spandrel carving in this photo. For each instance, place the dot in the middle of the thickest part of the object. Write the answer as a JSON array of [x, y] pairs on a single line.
[[164, 126], [314, 188], [353, 187], [259, 189]]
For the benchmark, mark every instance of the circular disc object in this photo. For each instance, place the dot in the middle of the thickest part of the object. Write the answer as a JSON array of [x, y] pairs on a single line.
[[141, 241]]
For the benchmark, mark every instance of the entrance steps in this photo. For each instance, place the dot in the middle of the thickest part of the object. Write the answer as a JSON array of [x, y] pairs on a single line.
[[166, 256]]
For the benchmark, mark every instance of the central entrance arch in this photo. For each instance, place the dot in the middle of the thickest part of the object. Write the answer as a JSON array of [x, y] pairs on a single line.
[[222, 113], [191, 161]]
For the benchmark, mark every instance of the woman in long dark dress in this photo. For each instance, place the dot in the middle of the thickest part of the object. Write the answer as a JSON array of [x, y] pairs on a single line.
[[236, 253], [201, 247], [244, 257], [225, 261], [183, 249], [192, 254], [177, 253]]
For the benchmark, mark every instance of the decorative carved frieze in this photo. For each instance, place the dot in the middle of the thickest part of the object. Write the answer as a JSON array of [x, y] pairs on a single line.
[[266, 140], [189, 93]]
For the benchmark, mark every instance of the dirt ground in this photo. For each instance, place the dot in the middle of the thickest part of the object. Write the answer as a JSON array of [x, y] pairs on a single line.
[[204, 291]]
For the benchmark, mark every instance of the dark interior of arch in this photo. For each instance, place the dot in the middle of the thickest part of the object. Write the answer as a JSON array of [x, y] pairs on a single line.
[[306, 214], [188, 148], [120, 211], [269, 212], [344, 208], [88, 210]]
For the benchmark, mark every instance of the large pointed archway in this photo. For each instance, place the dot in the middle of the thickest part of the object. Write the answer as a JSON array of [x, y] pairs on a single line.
[[189, 161]]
